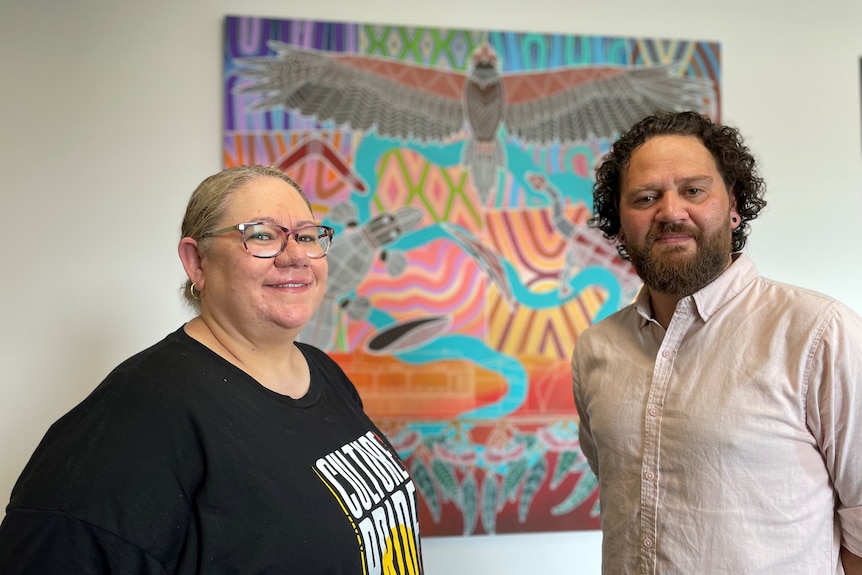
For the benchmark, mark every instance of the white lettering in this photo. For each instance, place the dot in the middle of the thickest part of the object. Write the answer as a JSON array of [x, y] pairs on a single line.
[[385, 456], [351, 451], [372, 462], [372, 554], [347, 499], [337, 460]]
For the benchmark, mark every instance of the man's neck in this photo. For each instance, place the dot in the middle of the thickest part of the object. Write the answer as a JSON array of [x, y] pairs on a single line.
[[663, 306]]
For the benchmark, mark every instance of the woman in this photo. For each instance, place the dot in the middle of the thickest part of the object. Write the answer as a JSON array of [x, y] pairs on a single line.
[[227, 447]]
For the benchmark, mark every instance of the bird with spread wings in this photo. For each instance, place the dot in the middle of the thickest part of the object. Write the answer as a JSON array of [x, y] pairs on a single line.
[[412, 102]]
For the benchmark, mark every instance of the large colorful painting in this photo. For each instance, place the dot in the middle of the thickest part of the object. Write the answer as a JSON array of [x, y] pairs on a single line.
[[455, 166]]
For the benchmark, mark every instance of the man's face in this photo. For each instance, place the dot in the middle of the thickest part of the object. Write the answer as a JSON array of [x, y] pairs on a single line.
[[675, 215]]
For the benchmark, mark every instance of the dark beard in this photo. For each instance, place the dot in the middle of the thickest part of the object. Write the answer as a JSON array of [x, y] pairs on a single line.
[[681, 275]]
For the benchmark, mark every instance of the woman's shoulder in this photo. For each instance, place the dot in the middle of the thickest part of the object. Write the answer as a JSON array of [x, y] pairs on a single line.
[[150, 393], [328, 371], [138, 428], [319, 358], [172, 353]]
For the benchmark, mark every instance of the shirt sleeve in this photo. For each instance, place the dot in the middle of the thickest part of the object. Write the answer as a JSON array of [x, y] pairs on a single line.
[[585, 436], [34, 542], [834, 413], [109, 486]]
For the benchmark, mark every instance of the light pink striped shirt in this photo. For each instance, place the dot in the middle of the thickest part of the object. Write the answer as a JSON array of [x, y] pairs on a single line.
[[732, 441]]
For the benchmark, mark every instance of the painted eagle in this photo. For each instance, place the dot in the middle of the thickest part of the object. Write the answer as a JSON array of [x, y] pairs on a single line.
[[411, 102]]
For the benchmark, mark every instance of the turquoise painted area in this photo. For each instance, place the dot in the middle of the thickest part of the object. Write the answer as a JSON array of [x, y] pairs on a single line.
[[456, 346]]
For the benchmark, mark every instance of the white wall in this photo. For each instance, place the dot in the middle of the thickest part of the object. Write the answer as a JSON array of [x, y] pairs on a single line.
[[110, 115]]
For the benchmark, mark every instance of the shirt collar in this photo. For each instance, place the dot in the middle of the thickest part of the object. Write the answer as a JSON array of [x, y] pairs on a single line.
[[714, 295]]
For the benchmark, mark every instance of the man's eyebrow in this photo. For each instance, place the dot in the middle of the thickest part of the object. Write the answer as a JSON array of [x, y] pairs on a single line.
[[692, 179], [681, 182]]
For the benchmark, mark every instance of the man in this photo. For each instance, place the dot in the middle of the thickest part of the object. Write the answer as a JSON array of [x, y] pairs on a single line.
[[721, 412]]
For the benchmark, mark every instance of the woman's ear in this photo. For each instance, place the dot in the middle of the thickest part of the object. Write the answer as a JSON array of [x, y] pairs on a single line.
[[192, 261]]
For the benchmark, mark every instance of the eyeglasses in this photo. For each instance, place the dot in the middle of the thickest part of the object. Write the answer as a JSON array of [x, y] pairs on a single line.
[[266, 240]]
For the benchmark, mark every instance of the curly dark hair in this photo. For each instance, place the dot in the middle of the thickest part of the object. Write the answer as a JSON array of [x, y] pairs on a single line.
[[732, 158]]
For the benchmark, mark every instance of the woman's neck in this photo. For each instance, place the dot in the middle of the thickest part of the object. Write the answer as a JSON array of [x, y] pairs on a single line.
[[274, 362]]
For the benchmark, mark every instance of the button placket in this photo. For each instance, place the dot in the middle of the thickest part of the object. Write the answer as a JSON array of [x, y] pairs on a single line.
[[662, 373]]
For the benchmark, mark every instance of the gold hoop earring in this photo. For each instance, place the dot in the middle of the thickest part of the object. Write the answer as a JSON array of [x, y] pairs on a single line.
[[195, 292]]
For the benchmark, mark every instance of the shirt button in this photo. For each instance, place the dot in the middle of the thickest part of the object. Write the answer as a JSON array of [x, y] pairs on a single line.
[[653, 411], [649, 475], [647, 543], [667, 354]]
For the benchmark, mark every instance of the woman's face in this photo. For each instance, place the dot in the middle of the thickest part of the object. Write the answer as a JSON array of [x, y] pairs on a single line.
[[253, 295]]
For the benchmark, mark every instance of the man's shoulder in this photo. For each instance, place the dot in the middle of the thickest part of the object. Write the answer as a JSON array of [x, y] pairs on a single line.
[[625, 320], [791, 298], [801, 312], [627, 316]]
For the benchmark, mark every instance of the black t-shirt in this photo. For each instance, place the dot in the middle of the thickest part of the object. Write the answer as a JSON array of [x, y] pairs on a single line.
[[179, 462]]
